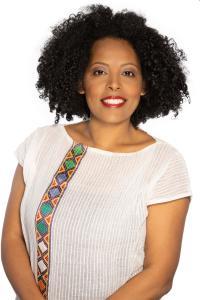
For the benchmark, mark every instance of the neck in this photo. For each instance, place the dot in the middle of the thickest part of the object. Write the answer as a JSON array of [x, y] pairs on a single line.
[[108, 135]]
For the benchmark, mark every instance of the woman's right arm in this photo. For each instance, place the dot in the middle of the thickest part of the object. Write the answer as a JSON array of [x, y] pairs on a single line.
[[14, 255]]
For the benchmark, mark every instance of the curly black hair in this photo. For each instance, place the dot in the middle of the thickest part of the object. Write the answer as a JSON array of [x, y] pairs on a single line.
[[66, 54]]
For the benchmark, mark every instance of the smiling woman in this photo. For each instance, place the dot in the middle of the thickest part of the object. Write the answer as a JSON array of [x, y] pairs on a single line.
[[110, 75], [95, 205], [77, 45]]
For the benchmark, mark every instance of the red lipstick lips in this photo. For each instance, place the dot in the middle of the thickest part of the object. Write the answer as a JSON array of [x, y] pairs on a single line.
[[113, 97], [113, 101]]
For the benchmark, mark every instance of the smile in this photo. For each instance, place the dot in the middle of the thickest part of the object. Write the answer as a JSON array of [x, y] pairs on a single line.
[[113, 102]]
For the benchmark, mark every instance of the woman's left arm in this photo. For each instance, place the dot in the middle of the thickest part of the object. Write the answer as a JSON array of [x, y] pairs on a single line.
[[164, 232]]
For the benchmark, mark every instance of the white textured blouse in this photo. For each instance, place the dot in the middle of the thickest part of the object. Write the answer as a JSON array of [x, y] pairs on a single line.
[[84, 210]]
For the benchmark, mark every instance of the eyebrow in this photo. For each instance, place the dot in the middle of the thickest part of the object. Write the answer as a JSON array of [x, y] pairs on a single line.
[[128, 63]]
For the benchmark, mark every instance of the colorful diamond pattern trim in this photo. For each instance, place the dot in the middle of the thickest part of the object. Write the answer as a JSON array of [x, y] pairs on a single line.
[[46, 210]]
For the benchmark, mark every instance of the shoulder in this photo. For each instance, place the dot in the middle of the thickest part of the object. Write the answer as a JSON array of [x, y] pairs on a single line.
[[44, 130], [38, 135], [166, 156], [169, 150]]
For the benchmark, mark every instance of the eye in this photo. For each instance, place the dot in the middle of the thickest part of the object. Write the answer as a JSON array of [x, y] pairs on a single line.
[[98, 70], [129, 73]]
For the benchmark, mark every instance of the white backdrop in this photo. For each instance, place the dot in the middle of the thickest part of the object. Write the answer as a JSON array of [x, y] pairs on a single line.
[[25, 26]]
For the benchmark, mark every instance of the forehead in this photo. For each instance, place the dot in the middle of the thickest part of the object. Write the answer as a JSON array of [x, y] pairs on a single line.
[[113, 49]]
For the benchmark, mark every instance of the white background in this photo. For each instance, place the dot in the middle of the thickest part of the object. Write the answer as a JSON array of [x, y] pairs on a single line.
[[25, 26]]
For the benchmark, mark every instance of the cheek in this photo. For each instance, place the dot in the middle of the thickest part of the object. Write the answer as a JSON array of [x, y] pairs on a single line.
[[133, 93], [88, 83], [134, 89], [94, 88]]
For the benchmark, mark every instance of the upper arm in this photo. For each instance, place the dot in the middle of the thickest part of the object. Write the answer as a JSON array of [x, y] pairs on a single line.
[[12, 224], [164, 231], [24, 153]]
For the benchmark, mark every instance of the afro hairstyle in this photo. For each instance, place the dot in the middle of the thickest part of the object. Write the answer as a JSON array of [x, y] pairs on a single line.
[[65, 56]]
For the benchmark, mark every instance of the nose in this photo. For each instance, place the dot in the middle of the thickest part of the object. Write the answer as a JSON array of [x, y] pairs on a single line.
[[113, 84], [114, 88]]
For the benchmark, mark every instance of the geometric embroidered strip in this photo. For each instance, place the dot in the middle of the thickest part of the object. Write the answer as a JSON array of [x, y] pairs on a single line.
[[46, 209]]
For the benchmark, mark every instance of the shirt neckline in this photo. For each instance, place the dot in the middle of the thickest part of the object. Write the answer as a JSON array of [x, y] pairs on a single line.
[[106, 152]]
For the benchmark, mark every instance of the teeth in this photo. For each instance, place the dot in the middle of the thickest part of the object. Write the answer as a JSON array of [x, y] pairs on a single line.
[[113, 101]]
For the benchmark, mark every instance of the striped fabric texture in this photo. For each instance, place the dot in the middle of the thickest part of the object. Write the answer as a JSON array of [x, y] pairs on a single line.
[[84, 210]]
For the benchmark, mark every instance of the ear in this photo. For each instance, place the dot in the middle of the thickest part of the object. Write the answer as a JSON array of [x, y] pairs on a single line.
[[143, 88], [80, 88]]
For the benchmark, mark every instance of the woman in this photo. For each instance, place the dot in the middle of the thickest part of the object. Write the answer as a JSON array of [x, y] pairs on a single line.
[[95, 206]]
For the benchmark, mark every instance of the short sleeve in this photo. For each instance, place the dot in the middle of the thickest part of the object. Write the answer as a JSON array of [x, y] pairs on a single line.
[[21, 151], [173, 182]]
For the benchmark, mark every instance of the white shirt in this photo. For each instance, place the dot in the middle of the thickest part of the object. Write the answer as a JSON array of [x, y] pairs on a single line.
[[92, 223]]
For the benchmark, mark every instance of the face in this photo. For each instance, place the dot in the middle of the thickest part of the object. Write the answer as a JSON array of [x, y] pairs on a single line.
[[113, 70]]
